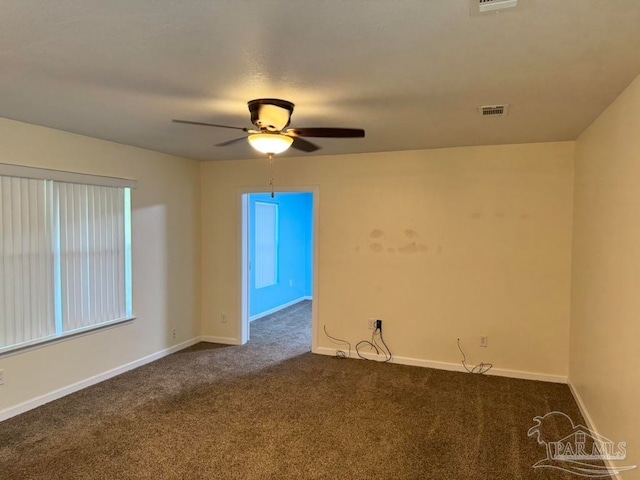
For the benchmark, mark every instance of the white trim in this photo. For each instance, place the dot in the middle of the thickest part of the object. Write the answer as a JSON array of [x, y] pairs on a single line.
[[315, 283], [21, 171], [589, 422], [278, 308], [581, 406], [101, 377], [222, 340], [244, 234], [453, 367]]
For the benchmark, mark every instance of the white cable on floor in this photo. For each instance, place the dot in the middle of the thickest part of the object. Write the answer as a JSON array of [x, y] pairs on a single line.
[[479, 369], [339, 353]]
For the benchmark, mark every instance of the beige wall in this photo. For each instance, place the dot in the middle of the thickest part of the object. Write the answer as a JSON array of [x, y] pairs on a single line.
[[166, 258], [472, 241], [605, 307]]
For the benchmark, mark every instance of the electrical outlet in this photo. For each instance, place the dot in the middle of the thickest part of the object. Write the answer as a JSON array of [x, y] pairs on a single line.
[[371, 322], [378, 324], [173, 333], [291, 283], [484, 341], [1, 377], [223, 318]]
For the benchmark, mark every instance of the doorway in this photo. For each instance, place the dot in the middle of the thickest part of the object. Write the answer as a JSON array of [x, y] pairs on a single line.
[[278, 255]]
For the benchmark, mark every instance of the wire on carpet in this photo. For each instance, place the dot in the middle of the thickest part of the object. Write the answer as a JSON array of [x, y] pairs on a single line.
[[339, 353], [479, 369], [374, 345]]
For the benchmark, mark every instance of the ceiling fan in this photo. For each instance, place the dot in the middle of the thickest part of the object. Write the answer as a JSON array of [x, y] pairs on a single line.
[[271, 116]]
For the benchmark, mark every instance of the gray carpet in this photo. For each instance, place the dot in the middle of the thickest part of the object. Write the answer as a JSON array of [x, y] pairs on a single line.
[[272, 410]]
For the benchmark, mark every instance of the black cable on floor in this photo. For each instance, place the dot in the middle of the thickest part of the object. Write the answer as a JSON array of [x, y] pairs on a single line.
[[375, 346]]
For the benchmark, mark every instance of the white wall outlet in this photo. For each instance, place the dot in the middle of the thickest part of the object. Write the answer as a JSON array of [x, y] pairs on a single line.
[[1, 377], [484, 341], [173, 333], [371, 323], [223, 318]]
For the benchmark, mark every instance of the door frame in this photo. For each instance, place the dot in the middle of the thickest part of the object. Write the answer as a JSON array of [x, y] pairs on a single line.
[[243, 257]]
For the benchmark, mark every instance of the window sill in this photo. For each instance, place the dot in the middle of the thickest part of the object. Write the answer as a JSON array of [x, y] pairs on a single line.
[[45, 342]]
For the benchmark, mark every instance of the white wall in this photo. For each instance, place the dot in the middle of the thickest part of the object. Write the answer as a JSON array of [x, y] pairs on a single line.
[[438, 243], [166, 259], [605, 307]]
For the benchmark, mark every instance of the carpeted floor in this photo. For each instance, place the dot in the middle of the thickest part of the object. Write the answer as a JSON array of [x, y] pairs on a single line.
[[272, 410]]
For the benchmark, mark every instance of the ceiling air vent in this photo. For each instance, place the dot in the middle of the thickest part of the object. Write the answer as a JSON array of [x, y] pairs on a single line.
[[478, 7], [493, 110]]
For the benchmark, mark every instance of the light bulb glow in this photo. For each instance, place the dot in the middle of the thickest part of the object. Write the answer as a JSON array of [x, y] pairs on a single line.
[[270, 142]]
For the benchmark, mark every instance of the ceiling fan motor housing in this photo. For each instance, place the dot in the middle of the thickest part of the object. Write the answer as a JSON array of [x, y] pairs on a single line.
[[270, 114]]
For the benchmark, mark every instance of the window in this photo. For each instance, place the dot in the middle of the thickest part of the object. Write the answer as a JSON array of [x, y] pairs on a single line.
[[65, 254], [266, 236]]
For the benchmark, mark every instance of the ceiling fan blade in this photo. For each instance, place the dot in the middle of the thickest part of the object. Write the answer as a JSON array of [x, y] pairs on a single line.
[[229, 142], [304, 145], [328, 132], [208, 124]]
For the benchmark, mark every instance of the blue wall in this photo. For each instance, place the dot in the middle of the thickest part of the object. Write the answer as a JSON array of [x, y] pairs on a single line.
[[295, 251]]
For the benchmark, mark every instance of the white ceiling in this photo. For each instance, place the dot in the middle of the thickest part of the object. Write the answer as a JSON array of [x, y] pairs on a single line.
[[410, 72]]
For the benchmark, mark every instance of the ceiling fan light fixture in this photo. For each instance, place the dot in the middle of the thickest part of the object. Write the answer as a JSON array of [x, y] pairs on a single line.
[[270, 142]]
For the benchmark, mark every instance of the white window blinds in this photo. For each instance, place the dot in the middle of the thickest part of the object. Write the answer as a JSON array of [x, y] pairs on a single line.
[[92, 254], [266, 241], [26, 268], [66, 255]]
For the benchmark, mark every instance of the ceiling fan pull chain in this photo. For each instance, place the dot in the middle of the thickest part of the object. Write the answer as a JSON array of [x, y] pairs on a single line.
[[271, 174]]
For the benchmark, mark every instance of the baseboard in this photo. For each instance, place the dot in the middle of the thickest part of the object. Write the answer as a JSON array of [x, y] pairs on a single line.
[[589, 421], [61, 392], [278, 308], [222, 340], [454, 367], [581, 406]]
